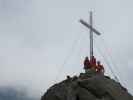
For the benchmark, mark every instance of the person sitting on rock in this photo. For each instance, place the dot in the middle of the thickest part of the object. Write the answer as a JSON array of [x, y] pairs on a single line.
[[99, 67], [87, 63]]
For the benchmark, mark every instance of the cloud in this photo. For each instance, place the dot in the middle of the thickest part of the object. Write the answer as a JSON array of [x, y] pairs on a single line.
[[11, 93], [14, 6]]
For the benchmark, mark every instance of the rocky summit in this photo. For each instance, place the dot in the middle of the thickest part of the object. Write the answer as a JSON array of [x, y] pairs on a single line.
[[87, 86]]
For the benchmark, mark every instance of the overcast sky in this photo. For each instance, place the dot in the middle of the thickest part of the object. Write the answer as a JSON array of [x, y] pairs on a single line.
[[38, 36]]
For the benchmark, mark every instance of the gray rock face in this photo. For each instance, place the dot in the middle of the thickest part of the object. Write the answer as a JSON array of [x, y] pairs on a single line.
[[88, 86]]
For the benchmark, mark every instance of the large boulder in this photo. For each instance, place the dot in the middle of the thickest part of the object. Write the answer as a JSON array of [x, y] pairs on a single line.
[[87, 86]]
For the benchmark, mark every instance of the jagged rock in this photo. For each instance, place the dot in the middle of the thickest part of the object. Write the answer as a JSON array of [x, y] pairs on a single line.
[[88, 86]]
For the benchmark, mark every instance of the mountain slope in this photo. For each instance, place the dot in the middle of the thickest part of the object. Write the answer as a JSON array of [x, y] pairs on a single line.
[[87, 86]]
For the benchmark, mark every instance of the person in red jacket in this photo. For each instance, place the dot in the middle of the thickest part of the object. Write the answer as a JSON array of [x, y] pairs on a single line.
[[93, 61], [87, 63], [99, 68]]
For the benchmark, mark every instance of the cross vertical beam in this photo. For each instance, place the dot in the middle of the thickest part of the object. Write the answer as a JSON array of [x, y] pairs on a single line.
[[91, 35], [92, 30]]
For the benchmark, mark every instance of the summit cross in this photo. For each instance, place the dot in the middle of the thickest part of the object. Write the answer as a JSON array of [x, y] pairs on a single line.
[[92, 29]]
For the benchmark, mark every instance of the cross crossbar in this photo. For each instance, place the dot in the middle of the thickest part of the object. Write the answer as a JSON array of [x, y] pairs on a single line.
[[89, 26]]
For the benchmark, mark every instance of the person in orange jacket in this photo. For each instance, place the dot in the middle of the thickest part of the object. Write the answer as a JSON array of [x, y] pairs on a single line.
[[99, 68]]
